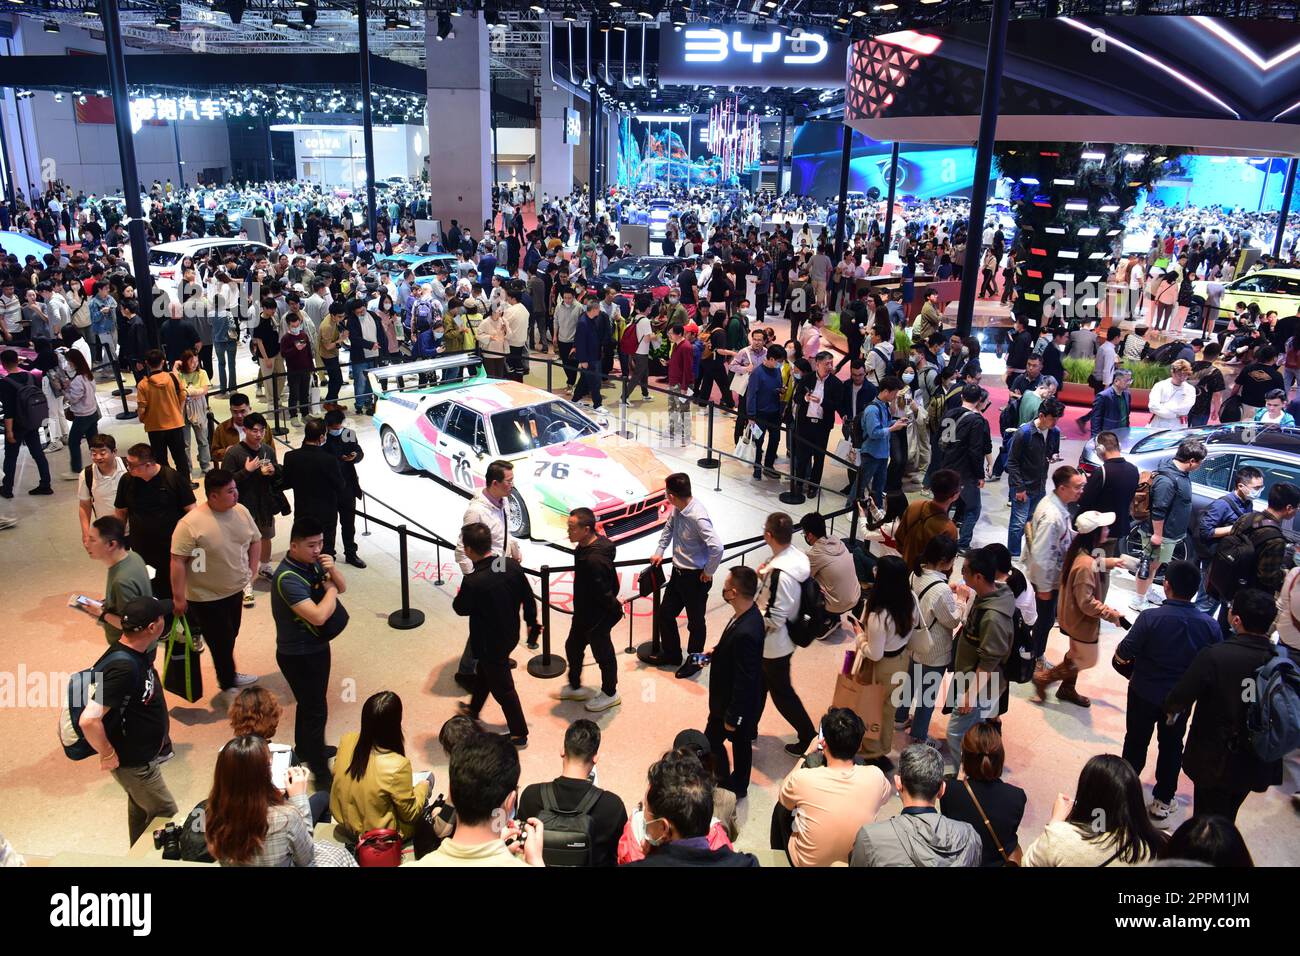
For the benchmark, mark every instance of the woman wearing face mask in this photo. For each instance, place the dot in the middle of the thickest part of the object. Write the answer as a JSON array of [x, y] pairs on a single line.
[[296, 349]]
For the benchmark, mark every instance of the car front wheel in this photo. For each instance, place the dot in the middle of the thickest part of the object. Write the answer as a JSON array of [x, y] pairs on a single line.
[[393, 453], [517, 516]]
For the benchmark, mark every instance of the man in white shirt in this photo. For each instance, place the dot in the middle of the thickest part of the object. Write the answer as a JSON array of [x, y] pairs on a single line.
[[516, 319], [487, 507], [1136, 280], [782, 577], [1172, 398], [1048, 537], [106, 472], [641, 357]]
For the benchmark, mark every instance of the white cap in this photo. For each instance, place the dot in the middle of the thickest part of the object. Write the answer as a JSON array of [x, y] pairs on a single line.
[[1092, 520]]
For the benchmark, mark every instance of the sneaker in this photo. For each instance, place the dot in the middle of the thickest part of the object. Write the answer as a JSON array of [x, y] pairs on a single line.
[[1160, 810], [55, 445], [1137, 603], [249, 600], [797, 749], [904, 724], [603, 701], [197, 641], [266, 571], [576, 693], [1154, 598], [243, 680], [7, 522], [71, 476], [41, 490]]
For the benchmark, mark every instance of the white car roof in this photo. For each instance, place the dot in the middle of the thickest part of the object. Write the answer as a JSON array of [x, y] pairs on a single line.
[[188, 245]]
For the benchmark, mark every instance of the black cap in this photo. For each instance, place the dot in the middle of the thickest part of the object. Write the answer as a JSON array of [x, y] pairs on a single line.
[[695, 740], [142, 612]]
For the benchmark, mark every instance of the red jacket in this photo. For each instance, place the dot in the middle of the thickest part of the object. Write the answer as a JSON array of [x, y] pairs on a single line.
[[681, 365]]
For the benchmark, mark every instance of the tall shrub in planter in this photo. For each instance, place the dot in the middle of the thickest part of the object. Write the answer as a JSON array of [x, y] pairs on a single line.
[[1068, 200]]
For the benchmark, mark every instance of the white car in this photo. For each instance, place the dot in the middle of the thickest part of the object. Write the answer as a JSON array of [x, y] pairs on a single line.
[[165, 258]]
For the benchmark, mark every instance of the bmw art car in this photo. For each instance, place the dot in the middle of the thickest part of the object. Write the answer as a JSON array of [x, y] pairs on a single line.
[[563, 457]]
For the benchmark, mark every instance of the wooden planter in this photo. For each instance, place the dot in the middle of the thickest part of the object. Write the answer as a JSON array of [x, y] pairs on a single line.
[[1072, 393]]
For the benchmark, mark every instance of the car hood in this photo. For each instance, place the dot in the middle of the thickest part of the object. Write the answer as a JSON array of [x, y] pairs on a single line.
[[604, 471]]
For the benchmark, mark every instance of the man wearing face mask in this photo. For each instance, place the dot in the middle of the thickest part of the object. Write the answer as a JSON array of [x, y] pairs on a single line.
[[1216, 522], [342, 443], [816, 399]]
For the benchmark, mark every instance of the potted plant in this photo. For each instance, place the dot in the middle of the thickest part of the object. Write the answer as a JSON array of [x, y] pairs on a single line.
[[1076, 391]]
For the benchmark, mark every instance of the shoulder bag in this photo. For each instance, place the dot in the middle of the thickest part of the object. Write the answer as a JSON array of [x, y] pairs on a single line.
[[1006, 858]]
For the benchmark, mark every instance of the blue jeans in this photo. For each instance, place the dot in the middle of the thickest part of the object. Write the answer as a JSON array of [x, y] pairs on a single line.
[[871, 478], [225, 354], [1204, 601], [1196, 421], [362, 393], [985, 707], [1021, 512], [921, 685], [970, 512], [83, 427]]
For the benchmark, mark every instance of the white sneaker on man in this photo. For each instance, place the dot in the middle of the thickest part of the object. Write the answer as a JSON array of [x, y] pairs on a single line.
[[1159, 810], [1137, 602], [243, 680], [1155, 598], [603, 701], [249, 600], [266, 571], [576, 693]]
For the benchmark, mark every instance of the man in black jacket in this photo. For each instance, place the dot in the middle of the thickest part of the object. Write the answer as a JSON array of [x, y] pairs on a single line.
[[1218, 757], [964, 446], [817, 398], [491, 596], [1022, 341], [678, 813], [596, 609], [316, 477], [1052, 355], [135, 343], [736, 682], [1034, 447], [1110, 488], [342, 444]]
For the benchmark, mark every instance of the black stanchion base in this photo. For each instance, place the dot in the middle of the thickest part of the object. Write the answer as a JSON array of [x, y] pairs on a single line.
[[279, 432], [791, 498], [124, 416], [405, 620], [708, 463], [540, 666], [646, 651], [120, 392]]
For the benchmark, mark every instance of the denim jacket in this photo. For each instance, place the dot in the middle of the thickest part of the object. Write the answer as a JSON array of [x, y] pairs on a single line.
[[876, 419]]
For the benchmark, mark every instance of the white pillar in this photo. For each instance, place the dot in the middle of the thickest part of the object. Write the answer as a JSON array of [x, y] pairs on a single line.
[[460, 125], [554, 155]]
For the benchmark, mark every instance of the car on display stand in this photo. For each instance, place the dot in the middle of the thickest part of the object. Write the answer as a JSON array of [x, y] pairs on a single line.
[[564, 456], [1275, 451], [165, 258], [422, 266], [654, 274]]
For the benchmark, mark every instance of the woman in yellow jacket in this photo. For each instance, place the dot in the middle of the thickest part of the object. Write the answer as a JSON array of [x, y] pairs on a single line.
[[373, 783]]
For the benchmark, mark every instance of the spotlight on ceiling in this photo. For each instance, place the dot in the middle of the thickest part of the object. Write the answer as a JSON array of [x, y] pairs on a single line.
[[51, 26], [309, 16], [235, 9], [491, 16]]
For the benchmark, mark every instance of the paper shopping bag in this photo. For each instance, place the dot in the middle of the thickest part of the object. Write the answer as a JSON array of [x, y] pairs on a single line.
[[865, 700]]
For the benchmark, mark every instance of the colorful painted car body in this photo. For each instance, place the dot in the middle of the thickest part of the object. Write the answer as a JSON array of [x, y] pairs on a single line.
[[563, 458]]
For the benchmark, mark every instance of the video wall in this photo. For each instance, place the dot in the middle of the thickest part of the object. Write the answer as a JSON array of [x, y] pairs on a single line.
[[1250, 184], [671, 154], [924, 172]]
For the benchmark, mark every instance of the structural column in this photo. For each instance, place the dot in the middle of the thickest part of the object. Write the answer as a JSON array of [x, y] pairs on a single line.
[[126, 155], [846, 154], [1287, 192], [780, 158], [459, 108], [979, 194], [889, 206], [367, 121], [555, 156]]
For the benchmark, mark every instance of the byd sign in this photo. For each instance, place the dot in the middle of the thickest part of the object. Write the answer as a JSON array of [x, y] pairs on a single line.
[[716, 46], [733, 54]]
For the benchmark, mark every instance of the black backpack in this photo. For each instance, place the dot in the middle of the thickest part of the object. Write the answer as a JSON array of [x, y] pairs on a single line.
[[1236, 560], [1020, 663], [31, 409], [1166, 354], [1009, 417], [567, 839], [812, 620]]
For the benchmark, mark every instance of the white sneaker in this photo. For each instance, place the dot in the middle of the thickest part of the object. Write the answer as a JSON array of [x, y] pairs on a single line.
[[7, 522], [55, 445], [576, 693], [603, 702], [266, 571], [1159, 810], [1154, 598], [1137, 602], [197, 640], [243, 680], [249, 600]]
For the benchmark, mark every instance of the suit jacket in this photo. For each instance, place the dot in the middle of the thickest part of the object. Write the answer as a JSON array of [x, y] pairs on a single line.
[[736, 678], [832, 401], [491, 599], [1109, 410], [316, 478]]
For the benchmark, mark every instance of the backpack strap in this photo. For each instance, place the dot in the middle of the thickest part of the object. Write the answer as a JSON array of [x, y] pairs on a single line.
[[549, 801], [987, 825], [587, 802], [311, 628]]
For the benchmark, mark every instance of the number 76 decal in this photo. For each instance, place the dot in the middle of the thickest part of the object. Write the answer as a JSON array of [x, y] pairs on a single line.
[[558, 470]]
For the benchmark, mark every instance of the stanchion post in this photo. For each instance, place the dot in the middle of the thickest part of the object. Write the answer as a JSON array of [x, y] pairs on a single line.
[[708, 461], [545, 664], [437, 556], [365, 517], [793, 496], [549, 370], [650, 649], [631, 606], [122, 390], [277, 429], [406, 617]]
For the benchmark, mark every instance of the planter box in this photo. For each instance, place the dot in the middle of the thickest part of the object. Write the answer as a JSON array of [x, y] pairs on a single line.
[[1072, 393]]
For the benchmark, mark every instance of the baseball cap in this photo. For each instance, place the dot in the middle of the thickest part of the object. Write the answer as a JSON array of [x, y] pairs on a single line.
[[695, 740], [1092, 520], [142, 612]]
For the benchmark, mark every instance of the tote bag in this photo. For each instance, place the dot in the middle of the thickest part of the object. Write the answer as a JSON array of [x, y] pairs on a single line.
[[182, 674]]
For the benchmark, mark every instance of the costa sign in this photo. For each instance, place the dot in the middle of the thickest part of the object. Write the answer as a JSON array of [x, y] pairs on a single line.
[[735, 54]]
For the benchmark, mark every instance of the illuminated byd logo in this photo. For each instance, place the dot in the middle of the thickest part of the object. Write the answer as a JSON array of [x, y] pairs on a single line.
[[715, 46]]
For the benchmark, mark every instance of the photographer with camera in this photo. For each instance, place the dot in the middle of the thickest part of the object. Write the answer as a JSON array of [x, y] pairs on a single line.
[[491, 597], [129, 693]]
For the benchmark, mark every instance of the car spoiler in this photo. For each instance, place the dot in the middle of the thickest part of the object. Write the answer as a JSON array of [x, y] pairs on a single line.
[[470, 361]]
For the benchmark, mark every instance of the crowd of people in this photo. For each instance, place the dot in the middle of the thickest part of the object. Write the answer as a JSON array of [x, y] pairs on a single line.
[[939, 626]]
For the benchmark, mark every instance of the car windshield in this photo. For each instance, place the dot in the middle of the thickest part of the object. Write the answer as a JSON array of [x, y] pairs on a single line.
[[1170, 439], [392, 265], [630, 269], [162, 257], [537, 426]]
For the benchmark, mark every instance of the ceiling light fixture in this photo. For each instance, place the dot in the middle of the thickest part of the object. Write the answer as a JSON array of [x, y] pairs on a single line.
[[51, 26]]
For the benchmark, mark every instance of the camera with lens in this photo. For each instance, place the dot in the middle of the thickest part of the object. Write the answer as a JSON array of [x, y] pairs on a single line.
[[168, 839]]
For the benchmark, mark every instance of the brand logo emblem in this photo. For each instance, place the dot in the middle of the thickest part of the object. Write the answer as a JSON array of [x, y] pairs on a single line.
[[715, 46]]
